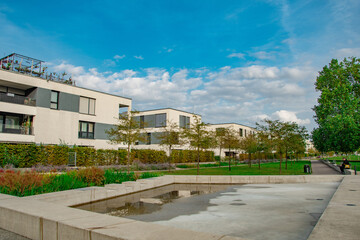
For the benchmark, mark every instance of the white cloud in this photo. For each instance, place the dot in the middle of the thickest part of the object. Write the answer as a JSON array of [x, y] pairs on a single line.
[[347, 52], [236, 55], [262, 55], [288, 116], [245, 95], [117, 57], [139, 57]]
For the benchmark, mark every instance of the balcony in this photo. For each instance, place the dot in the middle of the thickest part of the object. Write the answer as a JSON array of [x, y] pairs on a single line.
[[12, 98], [19, 130], [32, 67]]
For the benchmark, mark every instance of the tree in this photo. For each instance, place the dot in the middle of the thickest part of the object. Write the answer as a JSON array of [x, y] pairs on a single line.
[[283, 136], [198, 137], [337, 112], [230, 140], [170, 136], [250, 145], [127, 131]]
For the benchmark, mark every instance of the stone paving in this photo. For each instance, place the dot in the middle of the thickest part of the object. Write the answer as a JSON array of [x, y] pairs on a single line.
[[319, 168]]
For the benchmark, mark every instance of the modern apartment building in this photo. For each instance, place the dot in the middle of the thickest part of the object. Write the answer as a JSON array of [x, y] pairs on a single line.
[[154, 121], [34, 109], [242, 130]]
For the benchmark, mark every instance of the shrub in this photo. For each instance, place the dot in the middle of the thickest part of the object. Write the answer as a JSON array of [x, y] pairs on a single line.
[[92, 175]]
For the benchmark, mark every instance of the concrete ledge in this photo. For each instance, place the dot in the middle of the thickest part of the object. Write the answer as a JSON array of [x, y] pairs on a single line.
[[335, 167], [341, 218], [48, 217]]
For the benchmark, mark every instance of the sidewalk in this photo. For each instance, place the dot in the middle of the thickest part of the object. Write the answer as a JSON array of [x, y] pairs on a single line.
[[319, 168]]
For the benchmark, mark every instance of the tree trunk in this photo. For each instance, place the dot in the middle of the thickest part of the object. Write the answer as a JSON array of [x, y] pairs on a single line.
[[220, 156], [128, 159], [259, 161], [169, 160], [229, 160], [198, 161], [280, 163], [249, 160], [286, 160]]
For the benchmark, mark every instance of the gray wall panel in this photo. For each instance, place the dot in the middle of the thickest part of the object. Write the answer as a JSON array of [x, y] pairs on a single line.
[[43, 97], [69, 102], [100, 130]]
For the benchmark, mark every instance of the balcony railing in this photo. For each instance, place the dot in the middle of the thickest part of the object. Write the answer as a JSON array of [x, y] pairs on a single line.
[[20, 130], [32, 67], [12, 98]]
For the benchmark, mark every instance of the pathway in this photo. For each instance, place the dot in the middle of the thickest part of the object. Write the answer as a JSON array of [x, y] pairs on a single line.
[[319, 168], [6, 235]]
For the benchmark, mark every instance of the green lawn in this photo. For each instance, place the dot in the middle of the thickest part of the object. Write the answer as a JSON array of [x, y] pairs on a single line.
[[294, 168], [350, 157], [352, 164]]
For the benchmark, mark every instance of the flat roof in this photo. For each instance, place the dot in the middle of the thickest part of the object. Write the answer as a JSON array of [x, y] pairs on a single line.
[[168, 109], [66, 84], [231, 123]]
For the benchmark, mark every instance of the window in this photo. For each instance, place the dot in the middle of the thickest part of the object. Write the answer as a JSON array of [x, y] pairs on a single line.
[[54, 104], [86, 130], [241, 132], [12, 122], [87, 105], [245, 132], [1, 123], [160, 120], [142, 121], [148, 138], [184, 121]]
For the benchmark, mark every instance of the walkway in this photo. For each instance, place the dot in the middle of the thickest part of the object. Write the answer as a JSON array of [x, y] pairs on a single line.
[[6, 235], [319, 168]]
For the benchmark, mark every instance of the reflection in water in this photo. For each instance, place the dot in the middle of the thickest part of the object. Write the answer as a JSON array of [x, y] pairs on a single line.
[[150, 201]]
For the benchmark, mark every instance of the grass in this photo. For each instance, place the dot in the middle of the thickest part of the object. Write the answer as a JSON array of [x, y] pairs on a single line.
[[352, 164], [294, 168], [205, 165], [349, 157]]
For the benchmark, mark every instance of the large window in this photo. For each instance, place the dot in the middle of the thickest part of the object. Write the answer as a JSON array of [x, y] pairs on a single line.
[[148, 139], [87, 105], [54, 100], [86, 130], [160, 120], [184, 121], [241, 132]]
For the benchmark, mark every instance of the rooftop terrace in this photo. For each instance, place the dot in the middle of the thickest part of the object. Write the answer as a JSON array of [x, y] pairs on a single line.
[[32, 67]]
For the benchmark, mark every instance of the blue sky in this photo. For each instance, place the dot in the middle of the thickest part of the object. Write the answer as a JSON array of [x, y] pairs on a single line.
[[229, 60]]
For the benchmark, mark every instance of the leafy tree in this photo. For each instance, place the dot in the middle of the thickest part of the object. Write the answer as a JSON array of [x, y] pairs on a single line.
[[250, 145], [337, 112], [283, 136], [170, 137], [127, 131], [198, 137], [230, 140]]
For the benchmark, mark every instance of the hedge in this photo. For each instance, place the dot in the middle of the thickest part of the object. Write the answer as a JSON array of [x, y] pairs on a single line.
[[28, 155], [186, 156]]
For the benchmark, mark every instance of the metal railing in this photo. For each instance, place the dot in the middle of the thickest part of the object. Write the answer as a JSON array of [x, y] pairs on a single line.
[[12, 98], [23, 130]]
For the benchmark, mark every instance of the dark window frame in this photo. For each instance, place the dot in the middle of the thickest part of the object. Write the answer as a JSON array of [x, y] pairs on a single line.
[[57, 100], [86, 134]]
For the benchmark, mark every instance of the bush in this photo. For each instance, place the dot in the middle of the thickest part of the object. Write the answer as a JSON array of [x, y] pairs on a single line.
[[92, 176], [186, 156]]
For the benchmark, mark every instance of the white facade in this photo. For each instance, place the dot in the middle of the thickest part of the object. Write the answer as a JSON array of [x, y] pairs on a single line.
[[242, 130], [154, 122], [35, 110]]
